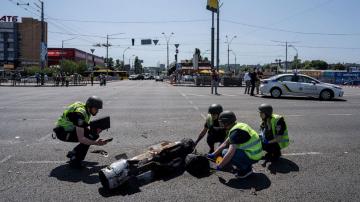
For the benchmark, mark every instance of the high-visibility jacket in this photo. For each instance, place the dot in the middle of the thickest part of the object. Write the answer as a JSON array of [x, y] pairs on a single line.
[[77, 107], [252, 147], [284, 141]]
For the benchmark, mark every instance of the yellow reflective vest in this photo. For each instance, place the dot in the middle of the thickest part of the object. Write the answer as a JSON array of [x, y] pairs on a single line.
[[252, 148], [284, 141], [64, 121]]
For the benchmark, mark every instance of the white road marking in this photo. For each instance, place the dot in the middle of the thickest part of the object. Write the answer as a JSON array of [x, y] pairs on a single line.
[[5, 159], [229, 95], [191, 102], [45, 137], [197, 95], [183, 94], [196, 108], [339, 114], [295, 115], [302, 154], [40, 162]]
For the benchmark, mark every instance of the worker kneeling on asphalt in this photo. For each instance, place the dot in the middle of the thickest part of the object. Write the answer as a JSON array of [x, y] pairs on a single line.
[[212, 127], [73, 126], [245, 145], [274, 133]]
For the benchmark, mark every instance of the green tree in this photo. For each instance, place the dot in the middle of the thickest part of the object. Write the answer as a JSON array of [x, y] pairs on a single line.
[[81, 67], [69, 66], [110, 63], [319, 64], [338, 66], [117, 64]]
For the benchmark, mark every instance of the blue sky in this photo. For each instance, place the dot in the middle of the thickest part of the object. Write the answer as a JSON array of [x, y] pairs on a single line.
[[318, 29]]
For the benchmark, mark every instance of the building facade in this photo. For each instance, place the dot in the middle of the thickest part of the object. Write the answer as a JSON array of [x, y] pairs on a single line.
[[30, 40], [55, 55], [20, 42], [9, 47]]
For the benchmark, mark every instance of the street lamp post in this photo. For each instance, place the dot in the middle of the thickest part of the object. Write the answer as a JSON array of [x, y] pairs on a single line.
[[62, 51], [124, 57], [228, 50], [234, 56], [167, 38], [295, 56]]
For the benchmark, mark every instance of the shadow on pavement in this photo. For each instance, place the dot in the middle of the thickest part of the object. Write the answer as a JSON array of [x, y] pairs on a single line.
[[281, 166], [88, 174], [256, 181], [301, 98], [133, 185]]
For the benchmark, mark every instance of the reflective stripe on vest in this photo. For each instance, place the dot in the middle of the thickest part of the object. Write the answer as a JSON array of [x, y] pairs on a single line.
[[284, 141], [209, 121], [64, 122], [252, 147]]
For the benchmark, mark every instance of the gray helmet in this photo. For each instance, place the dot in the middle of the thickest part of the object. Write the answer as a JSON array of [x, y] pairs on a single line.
[[215, 109], [227, 117], [94, 101], [266, 109]]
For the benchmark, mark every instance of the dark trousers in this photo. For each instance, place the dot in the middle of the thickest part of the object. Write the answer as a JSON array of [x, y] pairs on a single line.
[[80, 150], [252, 88], [213, 138], [273, 151]]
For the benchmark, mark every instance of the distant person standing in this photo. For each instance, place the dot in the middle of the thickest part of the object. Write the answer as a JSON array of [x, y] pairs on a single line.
[[214, 81], [92, 79], [252, 81], [247, 80], [37, 77], [259, 75]]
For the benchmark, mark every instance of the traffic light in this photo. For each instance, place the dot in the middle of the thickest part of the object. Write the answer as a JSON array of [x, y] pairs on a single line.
[[175, 57], [133, 42], [177, 51]]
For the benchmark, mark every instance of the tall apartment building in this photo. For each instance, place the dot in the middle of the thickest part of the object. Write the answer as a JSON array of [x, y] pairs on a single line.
[[20, 42]]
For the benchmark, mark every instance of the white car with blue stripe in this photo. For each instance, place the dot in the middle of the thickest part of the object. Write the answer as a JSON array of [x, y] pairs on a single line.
[[299, 85]]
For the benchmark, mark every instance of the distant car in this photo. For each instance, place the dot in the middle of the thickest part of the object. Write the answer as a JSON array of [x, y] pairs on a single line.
[[148, 77], [133, 77], [159, 78], [299, 85], [188, 78]]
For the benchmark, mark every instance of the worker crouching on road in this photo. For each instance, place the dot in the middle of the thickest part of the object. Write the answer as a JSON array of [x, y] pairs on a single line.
[[73, 126], [212, 127], [242, 147], [274, 133]]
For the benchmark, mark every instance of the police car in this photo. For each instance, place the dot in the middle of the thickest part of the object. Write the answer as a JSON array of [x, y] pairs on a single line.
[[299, 85]]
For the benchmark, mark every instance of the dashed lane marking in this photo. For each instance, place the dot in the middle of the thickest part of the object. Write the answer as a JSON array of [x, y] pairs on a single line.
[[302, 154], [40, 162], [339, 114], [294, 115], [5, 159]]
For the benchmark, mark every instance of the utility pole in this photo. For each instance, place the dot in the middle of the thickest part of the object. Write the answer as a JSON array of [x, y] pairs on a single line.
[[286, 64], [212, 40], [124, 58], [218, 38], [43, 47], [107, 51], [286, 51], [228, 50], [167, 38]]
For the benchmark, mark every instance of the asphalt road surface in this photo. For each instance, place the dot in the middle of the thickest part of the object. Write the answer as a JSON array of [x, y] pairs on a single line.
[[321, 163]]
